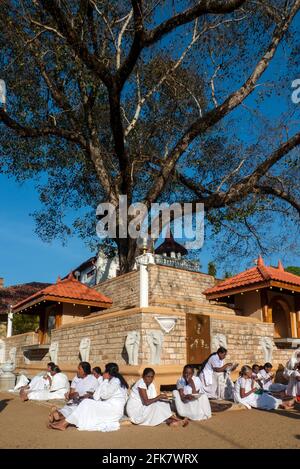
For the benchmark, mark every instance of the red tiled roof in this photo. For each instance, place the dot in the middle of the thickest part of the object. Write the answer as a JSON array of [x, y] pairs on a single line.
[[16, 293], [69, 288], [256, 276]]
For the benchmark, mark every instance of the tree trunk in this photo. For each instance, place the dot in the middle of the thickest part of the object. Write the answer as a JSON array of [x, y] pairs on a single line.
[[127, 249]]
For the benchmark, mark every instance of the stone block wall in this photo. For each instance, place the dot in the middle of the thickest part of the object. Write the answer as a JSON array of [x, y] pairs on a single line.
[[175, 284], [18, 341], [123, 290], [243, 341], [174, 342], [3, 327], [107, 337]]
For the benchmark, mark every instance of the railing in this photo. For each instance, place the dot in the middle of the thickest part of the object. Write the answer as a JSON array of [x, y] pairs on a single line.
[[184, 264]]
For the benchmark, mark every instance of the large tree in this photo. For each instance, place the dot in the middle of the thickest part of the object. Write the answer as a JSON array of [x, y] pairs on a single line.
[[158, 100]]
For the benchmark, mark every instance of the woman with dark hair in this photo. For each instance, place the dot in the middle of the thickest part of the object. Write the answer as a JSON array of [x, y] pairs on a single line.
[[98, 374], [104, 411], [190, 400], [40, 382], [210, 369], [82, 386], [145, 407], [59, 385], [246, 393]]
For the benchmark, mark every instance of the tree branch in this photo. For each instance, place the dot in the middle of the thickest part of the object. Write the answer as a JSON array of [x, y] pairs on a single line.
[[279, 193], [36, 132], [204, 7], [72, 37], [201, 125]]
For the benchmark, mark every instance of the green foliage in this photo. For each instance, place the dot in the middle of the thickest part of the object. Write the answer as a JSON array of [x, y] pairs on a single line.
[[293, 269], [228, 274], [212, 269], [25, 323]]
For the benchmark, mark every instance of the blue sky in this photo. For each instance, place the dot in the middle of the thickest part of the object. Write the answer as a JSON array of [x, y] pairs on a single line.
[[23, 256]]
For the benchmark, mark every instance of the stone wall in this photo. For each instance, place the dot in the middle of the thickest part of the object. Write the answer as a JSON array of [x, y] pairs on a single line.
[[107, 335], [3, 326], [170, 283], [18, 341], [123, 290], [243, 341], [174, 342]]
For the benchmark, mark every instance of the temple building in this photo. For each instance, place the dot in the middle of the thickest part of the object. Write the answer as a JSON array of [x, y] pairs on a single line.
[[163, 314], [267, 293]]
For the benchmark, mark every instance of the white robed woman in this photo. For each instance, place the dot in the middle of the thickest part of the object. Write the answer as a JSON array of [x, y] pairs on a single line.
[[246, 393], [82, 386], [145, 406], [190, 400], [59, 386], [38, 382], [96, 371], [104, 411], [212, 374]]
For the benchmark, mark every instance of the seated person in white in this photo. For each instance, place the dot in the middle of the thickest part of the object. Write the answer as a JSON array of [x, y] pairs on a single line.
[[255, 376], [145, 407], [293, 387], [59, 385], [38, 382], [291, 364], [82, 386], [266, 376], [104, 411], [96, 371], [246, 393], [211, 368], [190, 400]]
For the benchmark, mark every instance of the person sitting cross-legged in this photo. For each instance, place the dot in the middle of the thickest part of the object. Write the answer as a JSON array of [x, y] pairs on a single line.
[[145, 406], [190, 399], [104, 411]]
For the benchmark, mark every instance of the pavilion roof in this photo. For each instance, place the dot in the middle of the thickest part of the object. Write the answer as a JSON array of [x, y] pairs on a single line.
[[256, 277], [68, 290]]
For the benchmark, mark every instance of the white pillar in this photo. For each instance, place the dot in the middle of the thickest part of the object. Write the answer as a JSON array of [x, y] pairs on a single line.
[[9, 322], [143, 261]]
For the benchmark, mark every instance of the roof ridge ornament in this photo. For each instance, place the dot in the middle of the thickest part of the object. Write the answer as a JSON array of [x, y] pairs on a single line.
[[280, 266], [260, 261]]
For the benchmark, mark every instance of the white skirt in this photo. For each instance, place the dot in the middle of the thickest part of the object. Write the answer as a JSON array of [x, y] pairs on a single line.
[[103, 416], [46, 395], [259, 401], [150, 415], [198, 409]]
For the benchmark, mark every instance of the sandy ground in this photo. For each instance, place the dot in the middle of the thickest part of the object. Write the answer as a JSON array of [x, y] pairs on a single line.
[[23, 425]]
